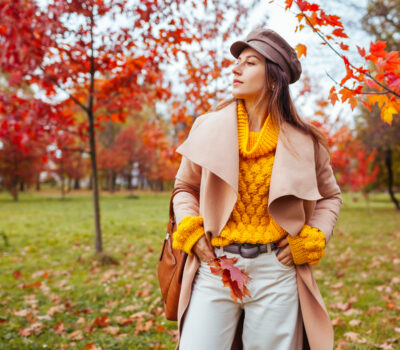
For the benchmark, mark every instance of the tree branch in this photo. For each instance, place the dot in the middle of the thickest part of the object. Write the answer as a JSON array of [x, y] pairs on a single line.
[[341, 56], [73, 98]]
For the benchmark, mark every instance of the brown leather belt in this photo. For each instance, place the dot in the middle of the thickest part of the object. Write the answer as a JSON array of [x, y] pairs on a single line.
[[249, 250]]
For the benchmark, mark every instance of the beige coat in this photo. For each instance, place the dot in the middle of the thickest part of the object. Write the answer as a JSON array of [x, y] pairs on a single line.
[[303, 190]]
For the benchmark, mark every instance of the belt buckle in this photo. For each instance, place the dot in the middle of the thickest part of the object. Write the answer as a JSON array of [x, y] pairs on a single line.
[[252, 251]]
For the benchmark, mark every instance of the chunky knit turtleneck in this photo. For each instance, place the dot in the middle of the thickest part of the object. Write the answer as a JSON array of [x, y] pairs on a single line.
[[255, 144], [250, 221]]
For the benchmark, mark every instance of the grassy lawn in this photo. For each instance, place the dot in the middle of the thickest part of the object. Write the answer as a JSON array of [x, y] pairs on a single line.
[[55, 295]]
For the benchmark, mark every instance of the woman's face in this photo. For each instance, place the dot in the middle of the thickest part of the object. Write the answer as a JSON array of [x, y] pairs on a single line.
[[249, 74]]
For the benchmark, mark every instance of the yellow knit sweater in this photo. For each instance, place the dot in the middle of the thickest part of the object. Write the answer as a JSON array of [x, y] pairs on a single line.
[[250, 221]]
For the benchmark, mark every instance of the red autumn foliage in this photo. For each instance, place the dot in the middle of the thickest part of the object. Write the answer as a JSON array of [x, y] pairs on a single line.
[[107, 71], [376, 81]]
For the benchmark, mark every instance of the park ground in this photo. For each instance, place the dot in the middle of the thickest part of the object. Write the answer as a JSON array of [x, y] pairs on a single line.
[[54, 294]]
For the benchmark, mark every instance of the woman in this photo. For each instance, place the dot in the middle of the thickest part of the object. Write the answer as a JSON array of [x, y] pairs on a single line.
[[268, 197]]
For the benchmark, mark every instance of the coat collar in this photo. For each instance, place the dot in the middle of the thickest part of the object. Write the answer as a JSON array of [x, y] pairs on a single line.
[[213, 144]]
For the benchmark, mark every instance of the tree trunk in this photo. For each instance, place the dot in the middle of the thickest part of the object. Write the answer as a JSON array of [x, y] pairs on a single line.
[[14, 189], [140, 184], [77, 184], [129, 182], [62, 179], [111, 181], [38, 183], [98, 241], [69, 185], [21, 186], [95, 185], [62, 186], [388, 162]]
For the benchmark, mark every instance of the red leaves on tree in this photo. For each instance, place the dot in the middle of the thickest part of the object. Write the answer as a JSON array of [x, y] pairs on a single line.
[[383, 75], [339, 32], [232, 277]]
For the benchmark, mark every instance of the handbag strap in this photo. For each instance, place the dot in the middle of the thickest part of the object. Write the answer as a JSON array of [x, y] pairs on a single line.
[[181, 188]]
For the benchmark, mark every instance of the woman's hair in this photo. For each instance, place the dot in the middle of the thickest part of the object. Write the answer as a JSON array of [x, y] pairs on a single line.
[[280, 104]]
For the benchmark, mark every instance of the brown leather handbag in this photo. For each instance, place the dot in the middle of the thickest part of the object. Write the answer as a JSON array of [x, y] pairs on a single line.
[[172, 262]]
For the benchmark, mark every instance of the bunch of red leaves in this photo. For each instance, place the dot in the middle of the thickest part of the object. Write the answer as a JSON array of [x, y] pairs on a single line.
[[232, 277]]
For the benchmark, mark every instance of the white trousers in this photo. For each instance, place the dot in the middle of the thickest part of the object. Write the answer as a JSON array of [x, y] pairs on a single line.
[[272, 320]]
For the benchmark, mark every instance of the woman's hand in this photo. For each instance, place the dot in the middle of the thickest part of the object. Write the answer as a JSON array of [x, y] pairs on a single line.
[[284, 254], [203, 250]]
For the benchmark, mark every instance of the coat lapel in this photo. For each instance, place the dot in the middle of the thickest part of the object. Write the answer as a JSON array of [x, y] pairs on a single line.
[[213, 144], [293, 180]]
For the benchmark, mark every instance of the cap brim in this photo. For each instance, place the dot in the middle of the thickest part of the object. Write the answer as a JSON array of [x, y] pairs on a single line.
[[237, 47]]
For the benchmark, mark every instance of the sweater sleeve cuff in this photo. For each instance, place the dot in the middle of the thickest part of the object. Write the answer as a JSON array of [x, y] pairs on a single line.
[[189, 230], [308, 246]]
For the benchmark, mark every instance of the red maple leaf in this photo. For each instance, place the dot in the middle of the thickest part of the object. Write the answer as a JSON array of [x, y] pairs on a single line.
[[232, 277]]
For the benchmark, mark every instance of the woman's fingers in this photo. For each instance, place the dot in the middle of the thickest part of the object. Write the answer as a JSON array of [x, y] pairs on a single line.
[[283, 252], [283, 242], [287, 261], [284, 255], [203, 251]]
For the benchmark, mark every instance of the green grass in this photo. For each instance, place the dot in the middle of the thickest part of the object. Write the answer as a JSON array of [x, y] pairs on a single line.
[[54, 294]]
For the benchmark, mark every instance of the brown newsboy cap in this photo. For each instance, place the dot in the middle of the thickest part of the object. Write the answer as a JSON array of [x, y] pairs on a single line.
[[272, 46]]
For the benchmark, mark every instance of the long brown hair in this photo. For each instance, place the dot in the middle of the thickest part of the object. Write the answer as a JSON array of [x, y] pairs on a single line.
[[280, 104]]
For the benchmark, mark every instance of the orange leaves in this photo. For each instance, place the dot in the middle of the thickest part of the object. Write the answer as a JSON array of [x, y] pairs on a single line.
[[349, 73], [143, 326], [331, 20], [333, 97], [301, 50], [376, 50], [306, 6], [101, 321], [288, 4], [31, 285], [383, 77], [390, 62], [232, 277], [394, 82], [372, 84], [346, 94], [379, 99], [91, 346], [361, 51], [388, 107], [33, 328], [387, 113], [353, 102], [17, 274], [339, 32]]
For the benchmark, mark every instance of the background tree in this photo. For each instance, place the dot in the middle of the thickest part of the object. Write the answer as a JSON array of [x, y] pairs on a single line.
[[382, 20], [19, 168], [105, 69]]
